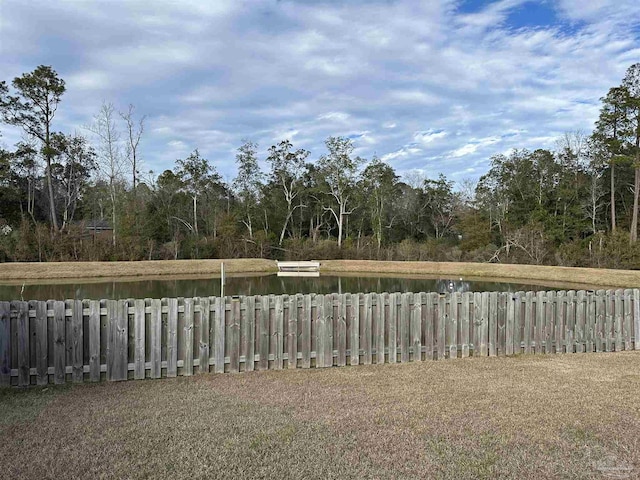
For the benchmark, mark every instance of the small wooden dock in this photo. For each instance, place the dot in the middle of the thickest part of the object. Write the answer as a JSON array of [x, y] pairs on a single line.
[[298, 269]]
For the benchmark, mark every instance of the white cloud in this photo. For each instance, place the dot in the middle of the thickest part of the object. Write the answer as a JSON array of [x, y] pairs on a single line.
[[421, 84], [473, 147], [429, 136], [92, 80], [415, 97], [335, 116], [465, 150], [401, 153]]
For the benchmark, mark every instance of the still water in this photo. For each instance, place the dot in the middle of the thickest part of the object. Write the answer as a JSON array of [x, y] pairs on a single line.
[[252, 285]]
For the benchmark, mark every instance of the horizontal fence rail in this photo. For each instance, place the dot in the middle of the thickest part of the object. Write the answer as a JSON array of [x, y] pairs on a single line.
[[44, 342]]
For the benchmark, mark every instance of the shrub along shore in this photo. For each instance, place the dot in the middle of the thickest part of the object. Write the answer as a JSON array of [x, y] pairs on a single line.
[[66, 270]]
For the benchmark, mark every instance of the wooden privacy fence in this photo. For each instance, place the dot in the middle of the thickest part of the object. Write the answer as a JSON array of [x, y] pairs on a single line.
[[89, 340]]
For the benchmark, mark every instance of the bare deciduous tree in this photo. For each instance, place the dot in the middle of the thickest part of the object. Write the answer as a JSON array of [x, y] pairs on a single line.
[[109, 160], [134, 129]]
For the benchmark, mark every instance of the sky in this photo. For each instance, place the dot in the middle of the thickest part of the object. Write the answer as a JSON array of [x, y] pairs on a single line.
[[428, 86]]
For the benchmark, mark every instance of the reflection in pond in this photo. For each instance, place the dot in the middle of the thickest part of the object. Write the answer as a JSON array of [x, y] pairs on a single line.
[[443, 286], [253, 285]]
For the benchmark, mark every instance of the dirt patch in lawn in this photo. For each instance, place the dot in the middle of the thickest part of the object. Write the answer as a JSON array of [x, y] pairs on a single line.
[[565, 416]]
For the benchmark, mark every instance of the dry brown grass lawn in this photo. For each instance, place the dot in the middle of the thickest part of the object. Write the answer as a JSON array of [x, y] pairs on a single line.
[[568, 416]]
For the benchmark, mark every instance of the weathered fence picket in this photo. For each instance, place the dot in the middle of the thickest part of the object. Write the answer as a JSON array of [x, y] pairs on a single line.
[[59, 338], [22, 323], [187, 337], [465, 310], [608, 320], [292, 334], [626, 327], [528, 320], [5, 343], [354, 328], [484, 324], [600, 313], [305, 332], [380, 328], [393, 325], [441, 323], [429, 333], [172, 334], [492, 326], [590, 322], [233, 337], [94, 340], [366, 318], [262, 337], [41, 350], [416, 328], [205, 339], [452, 325], [475, 324], [77, 341], [580, 337], [502, 322], [139, 339], [550, 303], [617, 322], [155, 338], [405, 315], [636, 318], [538, 335]]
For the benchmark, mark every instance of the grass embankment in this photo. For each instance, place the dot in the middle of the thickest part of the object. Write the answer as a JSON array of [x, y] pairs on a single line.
[[569, 416], [61, 270], [155, 268], [586, 276]]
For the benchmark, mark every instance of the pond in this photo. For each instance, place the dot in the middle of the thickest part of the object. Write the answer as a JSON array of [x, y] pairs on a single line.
[[160, 287]]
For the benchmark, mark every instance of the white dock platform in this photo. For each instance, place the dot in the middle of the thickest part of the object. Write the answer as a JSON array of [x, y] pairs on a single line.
[[298, 269]]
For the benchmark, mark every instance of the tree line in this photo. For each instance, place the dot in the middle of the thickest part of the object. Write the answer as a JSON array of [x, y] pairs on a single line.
[[84, 196]]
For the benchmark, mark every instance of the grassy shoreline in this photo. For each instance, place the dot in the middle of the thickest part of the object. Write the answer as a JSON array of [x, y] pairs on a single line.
[[147, 268], [160, 268], [586, 276]]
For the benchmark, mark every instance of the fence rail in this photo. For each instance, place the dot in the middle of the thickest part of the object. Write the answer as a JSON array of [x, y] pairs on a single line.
[[45, 342]]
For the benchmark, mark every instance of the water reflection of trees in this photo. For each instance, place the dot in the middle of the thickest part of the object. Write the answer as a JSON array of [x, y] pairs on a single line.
[[257, 285]]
